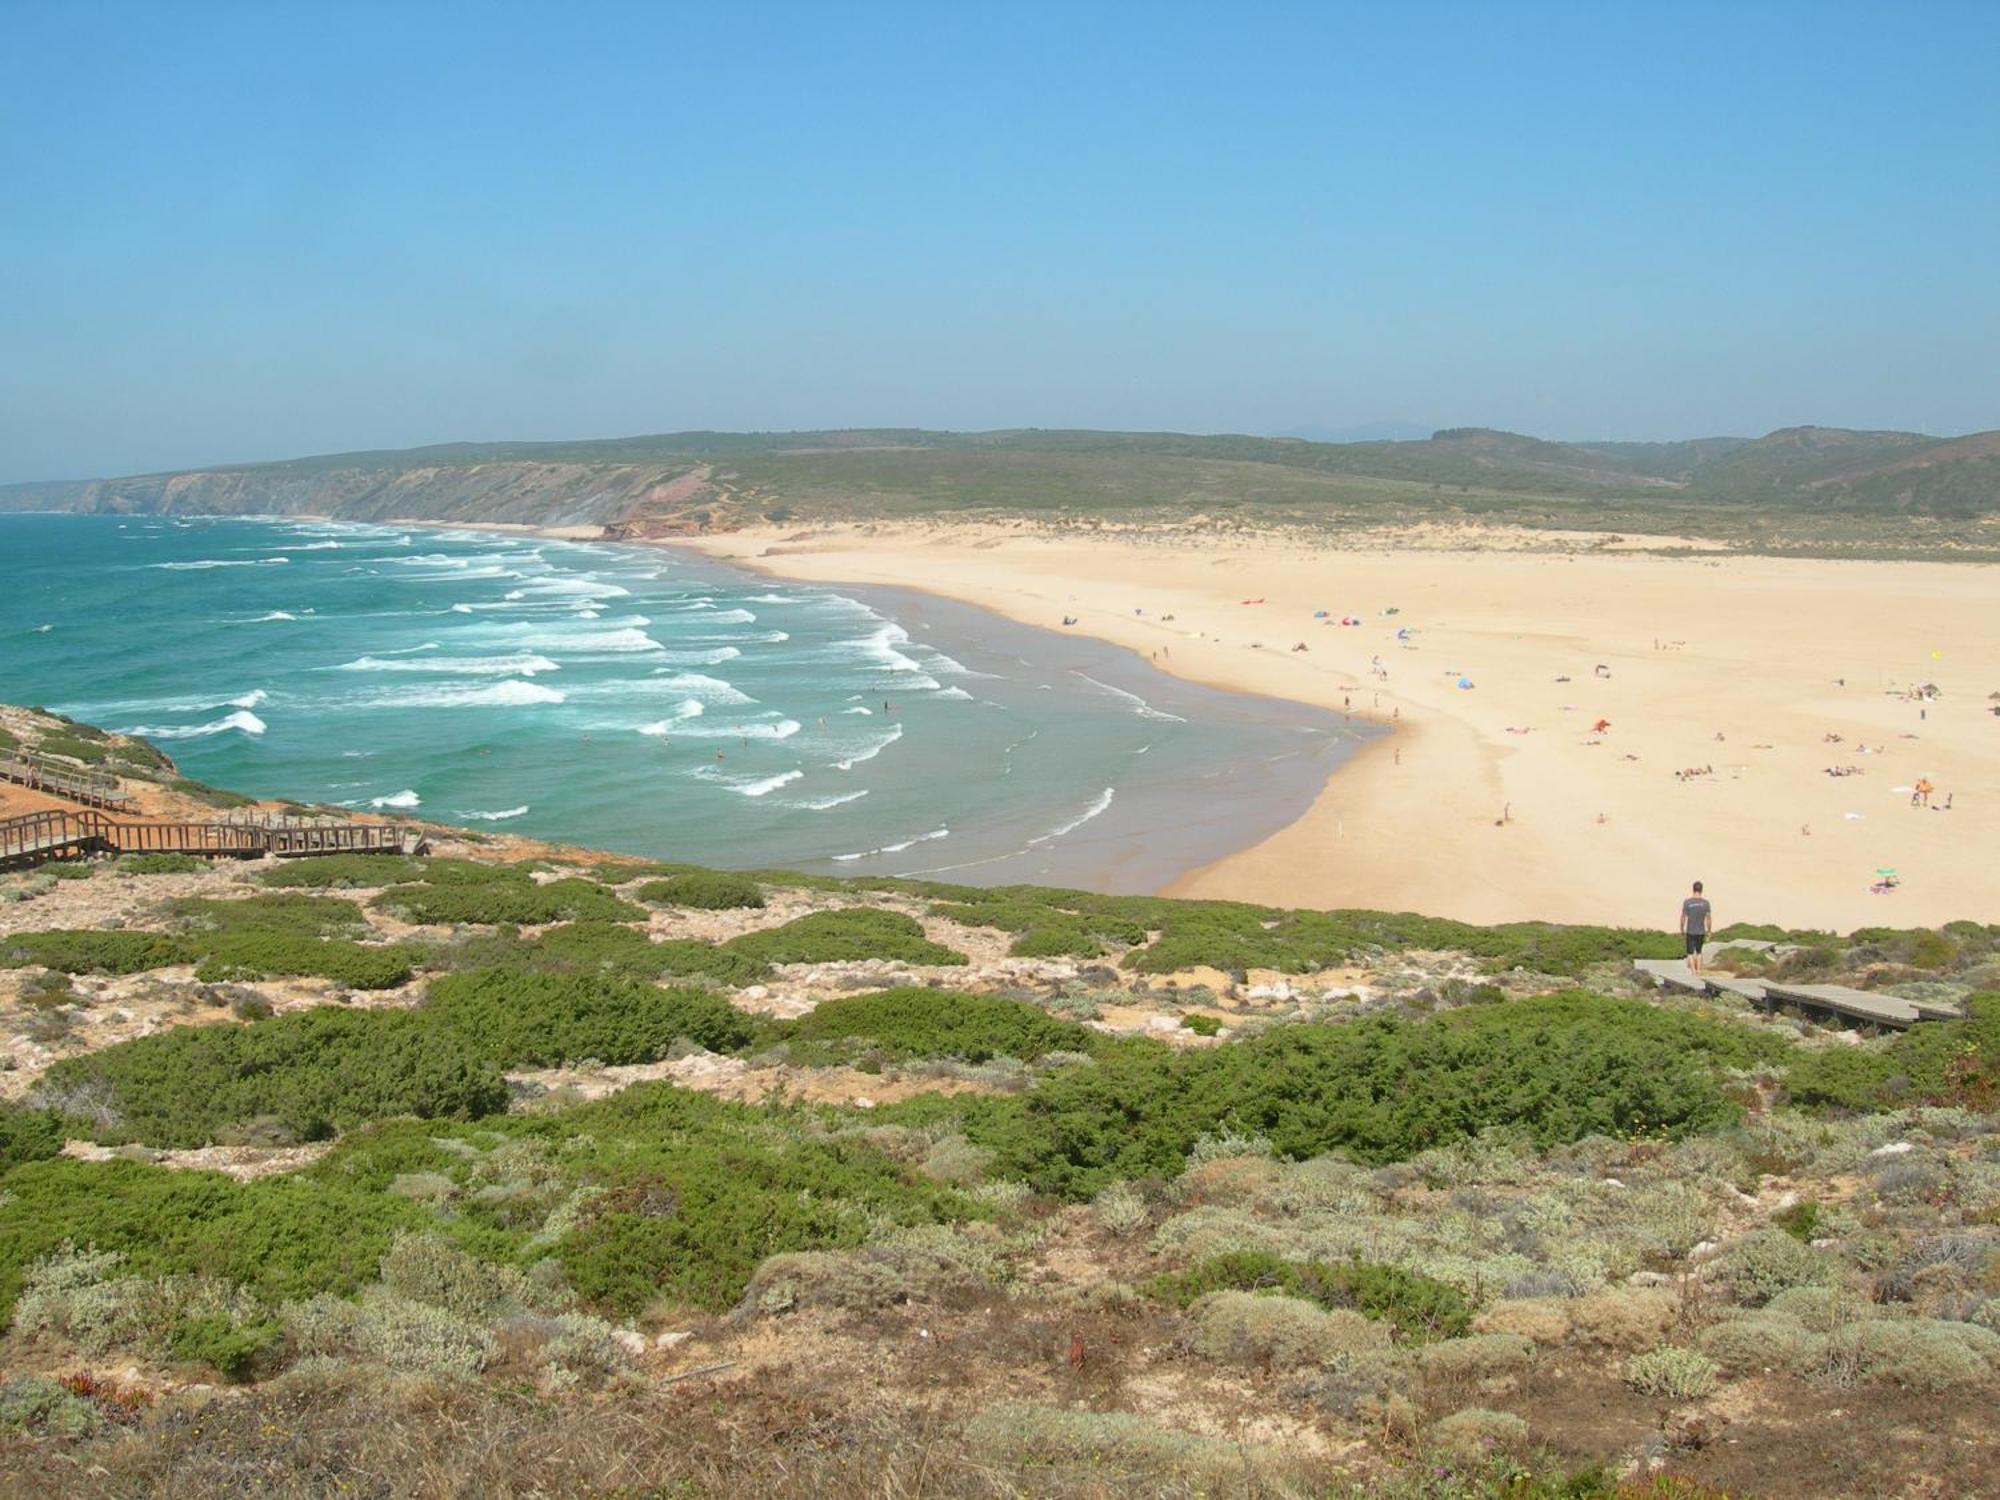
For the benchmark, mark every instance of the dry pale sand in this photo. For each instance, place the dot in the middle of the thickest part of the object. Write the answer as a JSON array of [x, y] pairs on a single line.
[[1742, 664]]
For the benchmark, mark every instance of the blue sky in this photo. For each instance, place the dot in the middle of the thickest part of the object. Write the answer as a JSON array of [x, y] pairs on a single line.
[[255, 230]]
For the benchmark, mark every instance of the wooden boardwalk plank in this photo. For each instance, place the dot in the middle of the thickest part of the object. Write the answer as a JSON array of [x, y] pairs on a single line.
[[1673, 973], [1883, 1010]]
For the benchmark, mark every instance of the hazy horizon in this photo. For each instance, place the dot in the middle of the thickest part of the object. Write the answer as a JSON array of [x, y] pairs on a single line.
[[241, 235]]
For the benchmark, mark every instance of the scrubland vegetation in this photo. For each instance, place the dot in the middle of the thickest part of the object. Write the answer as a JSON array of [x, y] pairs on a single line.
[[410, 1186]]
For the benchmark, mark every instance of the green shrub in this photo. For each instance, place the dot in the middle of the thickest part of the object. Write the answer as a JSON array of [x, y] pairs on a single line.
[[87, 951], [1280, 1332], [35, 1404], [1770, 1261], [941, 1023], [218, 1341], [315, 1072], [611, 948], [1677, 1374], [1940, 1062], [341, 872], [1418, 1307], [74, 747], [708, 890], [1560, 1067], [1200, 1024], [509, 898], [161, 864], [844, 936], [27, 1135], [525, 1018], [200, 791], [279, 1237]]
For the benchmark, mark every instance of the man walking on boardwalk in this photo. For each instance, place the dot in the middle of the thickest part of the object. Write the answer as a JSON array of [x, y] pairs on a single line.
[[1697, 921]]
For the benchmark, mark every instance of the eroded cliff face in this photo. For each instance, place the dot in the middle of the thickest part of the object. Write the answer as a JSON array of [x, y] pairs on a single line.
[[547, 494]]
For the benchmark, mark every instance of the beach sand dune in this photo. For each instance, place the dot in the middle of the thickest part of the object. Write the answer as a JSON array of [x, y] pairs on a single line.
[[1501, 800]]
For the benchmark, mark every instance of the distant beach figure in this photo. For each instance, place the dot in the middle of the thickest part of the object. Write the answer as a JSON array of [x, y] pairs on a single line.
[[1920, 794], [1697, 921]]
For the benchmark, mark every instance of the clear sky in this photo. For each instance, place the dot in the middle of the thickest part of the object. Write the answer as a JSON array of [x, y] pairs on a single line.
[[259, 229]]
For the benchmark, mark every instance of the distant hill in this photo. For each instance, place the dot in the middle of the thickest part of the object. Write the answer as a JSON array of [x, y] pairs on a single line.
[[693, 480]]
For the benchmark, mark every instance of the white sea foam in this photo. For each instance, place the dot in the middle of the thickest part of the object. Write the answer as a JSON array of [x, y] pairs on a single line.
[[1139, 705], [494, 817], [585, 587], [767, 729], [250, 699], [617, 637], [691, 708], [276, 614], [510, 694], [521, 665], [1098, 804], [708, 689], [895, 733], [822, 804], [404, 798], [775, 599], [922, 838], [714, 657], [758, 787], [242, 721], [956, 694], [218, 562]]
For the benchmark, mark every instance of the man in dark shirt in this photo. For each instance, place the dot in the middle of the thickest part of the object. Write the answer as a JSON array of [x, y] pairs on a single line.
[[1697, 921]]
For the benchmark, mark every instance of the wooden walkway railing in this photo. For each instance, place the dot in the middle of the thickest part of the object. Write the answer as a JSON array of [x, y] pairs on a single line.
[[91, 788], [41, 835]]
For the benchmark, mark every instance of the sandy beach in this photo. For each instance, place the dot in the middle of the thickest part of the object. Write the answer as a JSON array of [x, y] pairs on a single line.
[[1504, 800]]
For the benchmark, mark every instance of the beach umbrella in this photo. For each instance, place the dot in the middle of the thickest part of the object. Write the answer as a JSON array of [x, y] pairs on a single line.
[[1465, 682]]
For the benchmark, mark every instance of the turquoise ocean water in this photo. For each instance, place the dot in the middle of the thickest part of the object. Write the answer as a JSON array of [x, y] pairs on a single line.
[[639, 699]]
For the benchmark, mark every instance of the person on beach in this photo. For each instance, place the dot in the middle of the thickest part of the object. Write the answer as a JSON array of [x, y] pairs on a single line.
[[1697, 920]]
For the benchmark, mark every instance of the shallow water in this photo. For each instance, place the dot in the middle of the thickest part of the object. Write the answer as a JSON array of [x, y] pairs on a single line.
[[643, 700]]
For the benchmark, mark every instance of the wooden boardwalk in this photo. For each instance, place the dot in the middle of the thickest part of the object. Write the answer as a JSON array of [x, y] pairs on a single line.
[[39, 773], [1837, 999], [44, 835]]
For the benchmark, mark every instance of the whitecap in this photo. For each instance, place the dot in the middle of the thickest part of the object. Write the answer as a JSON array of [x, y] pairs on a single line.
[[1139, 705], [1098, 804], [712, 658], [512, 693], [473, 666], [895, 733], [495, 817], [404, 798], [922, 838], [217, 562], [708, 689], [822, 804], [956, 694], [690, 709], [242, 721], [758, 787], [276, 614], [250, 699]]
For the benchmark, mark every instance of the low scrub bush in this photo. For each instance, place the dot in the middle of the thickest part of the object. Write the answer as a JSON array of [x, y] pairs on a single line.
[[339, 872], [87, 951], [161, 864], [706, 890], [941, 1023], [276, 1237], [1476, 1433], [509, 895], [1479, 1356], [1113, 1452], [315, 1072], [36, 1405], [28, 1134], [1559, 1067], [1939, 1062], [525, 1018], [266, 955], [1675, 1373], [1279, 1332], [827, 937], [1418, 1307], [1769, 1261]]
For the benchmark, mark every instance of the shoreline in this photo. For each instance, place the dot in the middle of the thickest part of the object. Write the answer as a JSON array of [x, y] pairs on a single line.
[[1498, 803], [1172, 816]]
